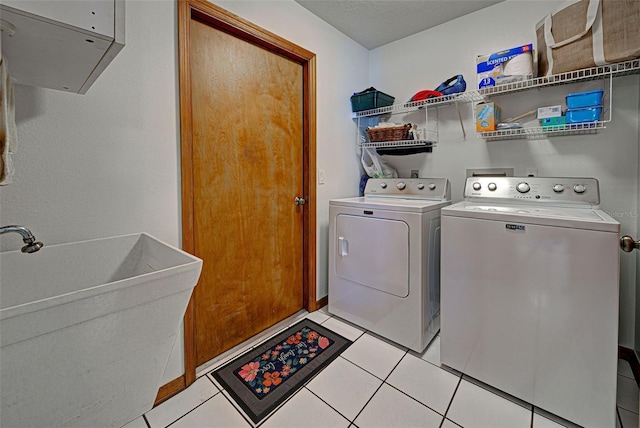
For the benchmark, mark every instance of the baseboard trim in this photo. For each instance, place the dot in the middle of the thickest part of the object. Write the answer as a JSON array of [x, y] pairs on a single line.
[[321, 303], [170, 389], [631, 356]]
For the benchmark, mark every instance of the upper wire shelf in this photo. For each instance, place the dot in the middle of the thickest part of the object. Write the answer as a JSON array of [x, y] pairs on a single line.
[[418, 105], [612, 70], [594, 73]]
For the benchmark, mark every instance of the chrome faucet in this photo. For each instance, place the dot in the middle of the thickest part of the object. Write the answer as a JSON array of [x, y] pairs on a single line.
[[27, 237]]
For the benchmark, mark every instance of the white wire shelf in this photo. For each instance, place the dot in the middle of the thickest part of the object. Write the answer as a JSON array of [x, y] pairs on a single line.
[[464, 97], [594, 73], [398, 144], [540, 132], [613, 70]]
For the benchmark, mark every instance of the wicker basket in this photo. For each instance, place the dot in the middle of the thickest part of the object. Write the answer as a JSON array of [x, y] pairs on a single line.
[[391, 133]]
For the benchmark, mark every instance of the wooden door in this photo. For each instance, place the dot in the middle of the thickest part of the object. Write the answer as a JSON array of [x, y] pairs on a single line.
[[248, 157]]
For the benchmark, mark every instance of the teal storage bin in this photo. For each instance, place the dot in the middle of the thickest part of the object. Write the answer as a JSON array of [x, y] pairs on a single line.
[[369, 99]]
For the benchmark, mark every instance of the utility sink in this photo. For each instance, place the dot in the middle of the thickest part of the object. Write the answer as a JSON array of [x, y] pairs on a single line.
[[86, 329]]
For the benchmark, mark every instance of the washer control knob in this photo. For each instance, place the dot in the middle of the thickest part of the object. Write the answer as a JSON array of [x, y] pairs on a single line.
[[432, 186], [523, 187], [558, 188], [477, 186], [420, 186], [579, 188], [492, 186], [401, 185], [383, 185]]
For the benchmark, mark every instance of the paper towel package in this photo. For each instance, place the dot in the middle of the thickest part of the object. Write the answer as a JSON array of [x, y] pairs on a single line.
[[506, 66]]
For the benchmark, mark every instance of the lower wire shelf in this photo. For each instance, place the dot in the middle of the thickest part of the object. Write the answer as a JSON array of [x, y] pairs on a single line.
[[398, 144], [543, 132]]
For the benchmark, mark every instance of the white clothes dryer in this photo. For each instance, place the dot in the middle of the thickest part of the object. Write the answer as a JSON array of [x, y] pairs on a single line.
[[384, 258], [530, 270]]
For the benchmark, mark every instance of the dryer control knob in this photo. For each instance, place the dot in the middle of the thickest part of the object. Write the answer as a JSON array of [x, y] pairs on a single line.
[[523, 187], [492, 186], [579, 188], [558, 188], [383, 185], [432, 186], [420, 186], [401, 185], [477, 186]]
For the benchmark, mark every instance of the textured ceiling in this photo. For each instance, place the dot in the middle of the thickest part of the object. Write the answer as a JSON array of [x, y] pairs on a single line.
[[374, 23]]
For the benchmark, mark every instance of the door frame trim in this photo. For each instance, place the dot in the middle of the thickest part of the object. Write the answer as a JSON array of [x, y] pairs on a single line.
[[223, 20]]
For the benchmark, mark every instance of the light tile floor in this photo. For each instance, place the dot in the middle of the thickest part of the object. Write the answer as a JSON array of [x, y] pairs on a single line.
[[374, 383]]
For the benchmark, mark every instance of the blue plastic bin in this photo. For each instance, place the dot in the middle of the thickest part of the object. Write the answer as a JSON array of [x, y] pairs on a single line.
[[584, 99], [581, 115]]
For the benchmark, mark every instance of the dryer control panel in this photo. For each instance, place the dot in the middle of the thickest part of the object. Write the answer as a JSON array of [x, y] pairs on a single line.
[[545, 190], [409, 188]]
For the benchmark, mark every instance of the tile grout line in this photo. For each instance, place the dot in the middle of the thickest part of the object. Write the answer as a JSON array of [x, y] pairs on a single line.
[[532, 413], [452, 397], [330, 406], [377, 389], [413, 398], [280, 406], [373, 374], [619, 417], [230, 401], [349, 325], [194, 408]]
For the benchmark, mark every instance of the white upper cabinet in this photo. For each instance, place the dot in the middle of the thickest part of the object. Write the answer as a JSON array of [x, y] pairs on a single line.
[[60, 44]]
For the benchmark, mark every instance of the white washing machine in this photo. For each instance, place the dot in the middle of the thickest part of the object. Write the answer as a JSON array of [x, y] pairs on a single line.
[[530, 272], [384, 258]]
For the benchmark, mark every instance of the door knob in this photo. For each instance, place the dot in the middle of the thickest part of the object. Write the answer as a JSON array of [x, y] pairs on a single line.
[[628, 244], [299, 201]]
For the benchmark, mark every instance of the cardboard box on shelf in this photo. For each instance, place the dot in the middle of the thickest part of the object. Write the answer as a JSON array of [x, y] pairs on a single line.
[[487, 116], [549, 111]]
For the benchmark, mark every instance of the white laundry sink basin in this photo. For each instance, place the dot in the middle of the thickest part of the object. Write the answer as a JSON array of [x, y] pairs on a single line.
[[86, 329]]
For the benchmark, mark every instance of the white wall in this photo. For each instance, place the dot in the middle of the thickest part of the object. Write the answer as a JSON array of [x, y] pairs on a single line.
[[424, 60], [107, 163]]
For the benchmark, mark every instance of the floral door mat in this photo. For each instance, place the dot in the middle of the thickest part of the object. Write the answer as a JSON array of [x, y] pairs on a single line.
[[262, 378]]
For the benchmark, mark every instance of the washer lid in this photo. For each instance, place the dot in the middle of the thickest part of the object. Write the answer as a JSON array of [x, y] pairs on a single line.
[[575, 218], [390, 204]]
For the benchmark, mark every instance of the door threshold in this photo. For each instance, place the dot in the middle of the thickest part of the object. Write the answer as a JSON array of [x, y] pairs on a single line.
[[252, 342]]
